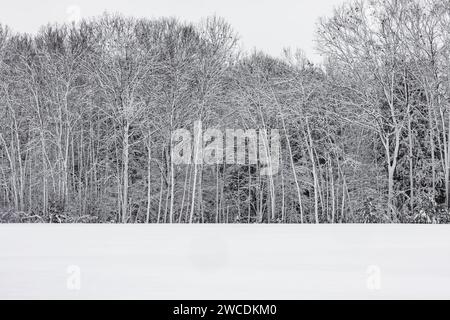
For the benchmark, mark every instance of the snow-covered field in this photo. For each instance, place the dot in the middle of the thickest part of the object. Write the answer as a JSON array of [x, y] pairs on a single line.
[[224, 261]]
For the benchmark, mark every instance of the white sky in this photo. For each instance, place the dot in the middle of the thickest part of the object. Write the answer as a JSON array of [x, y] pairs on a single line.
[[268, 25]]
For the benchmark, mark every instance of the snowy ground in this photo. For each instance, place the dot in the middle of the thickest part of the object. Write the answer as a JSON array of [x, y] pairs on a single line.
[[224, 261]]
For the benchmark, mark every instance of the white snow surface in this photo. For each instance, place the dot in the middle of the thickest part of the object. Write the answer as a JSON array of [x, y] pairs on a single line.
[[224, 261]]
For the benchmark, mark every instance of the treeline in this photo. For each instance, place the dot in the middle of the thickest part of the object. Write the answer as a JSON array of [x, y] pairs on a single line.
[[87, 112]]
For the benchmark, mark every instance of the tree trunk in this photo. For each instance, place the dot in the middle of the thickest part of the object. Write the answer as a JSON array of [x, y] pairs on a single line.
[[125, 159]]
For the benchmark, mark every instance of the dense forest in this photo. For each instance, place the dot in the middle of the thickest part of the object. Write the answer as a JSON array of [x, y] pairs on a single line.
[[87, 111]]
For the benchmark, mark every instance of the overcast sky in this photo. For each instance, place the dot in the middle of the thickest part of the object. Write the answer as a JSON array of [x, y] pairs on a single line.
[[268, 25]]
